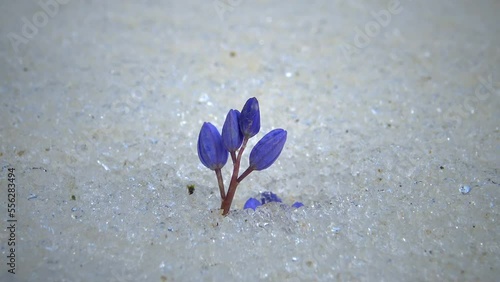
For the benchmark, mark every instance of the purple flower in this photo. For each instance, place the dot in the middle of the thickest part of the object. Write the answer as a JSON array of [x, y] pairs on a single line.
[[250, 118], [214, 148], [252, 203], [231, 134], [297, 205], [268, 149], [211, 150]]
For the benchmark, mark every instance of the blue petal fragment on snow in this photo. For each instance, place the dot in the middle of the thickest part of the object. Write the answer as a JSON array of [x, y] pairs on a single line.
[[268, 197], [252, 203]]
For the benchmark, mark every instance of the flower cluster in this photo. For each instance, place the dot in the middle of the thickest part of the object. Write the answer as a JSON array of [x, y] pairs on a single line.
[[214, 149], [266, 197]]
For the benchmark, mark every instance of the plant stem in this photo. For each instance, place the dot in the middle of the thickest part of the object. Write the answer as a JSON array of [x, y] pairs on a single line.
[[245, 174], [233, 157], [221, 183], [227, 201]]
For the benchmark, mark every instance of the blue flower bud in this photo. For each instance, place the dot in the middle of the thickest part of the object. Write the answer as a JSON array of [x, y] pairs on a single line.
[[268, 149], [250, 118], [252, 203], [268, 197], [231, 134], [297, 205], [211, 151]]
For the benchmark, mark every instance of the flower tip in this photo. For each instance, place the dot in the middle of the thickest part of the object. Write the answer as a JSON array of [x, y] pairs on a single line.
[[231, 133], [297, 205], [250, 118], [268, 149], [211, 150]]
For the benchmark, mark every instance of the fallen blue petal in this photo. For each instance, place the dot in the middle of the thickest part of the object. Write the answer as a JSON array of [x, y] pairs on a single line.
[[250, 118], [268, 149], [211, 150], [231, 133], [252, 203], [297, 205], [268, 197]]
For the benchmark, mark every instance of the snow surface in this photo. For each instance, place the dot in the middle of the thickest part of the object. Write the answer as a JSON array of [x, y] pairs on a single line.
[[391, 109]]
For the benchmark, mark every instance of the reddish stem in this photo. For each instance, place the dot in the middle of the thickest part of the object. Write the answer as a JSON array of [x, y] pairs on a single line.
[[233, 157], [245, 174], [221, 183], [226, 202]]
